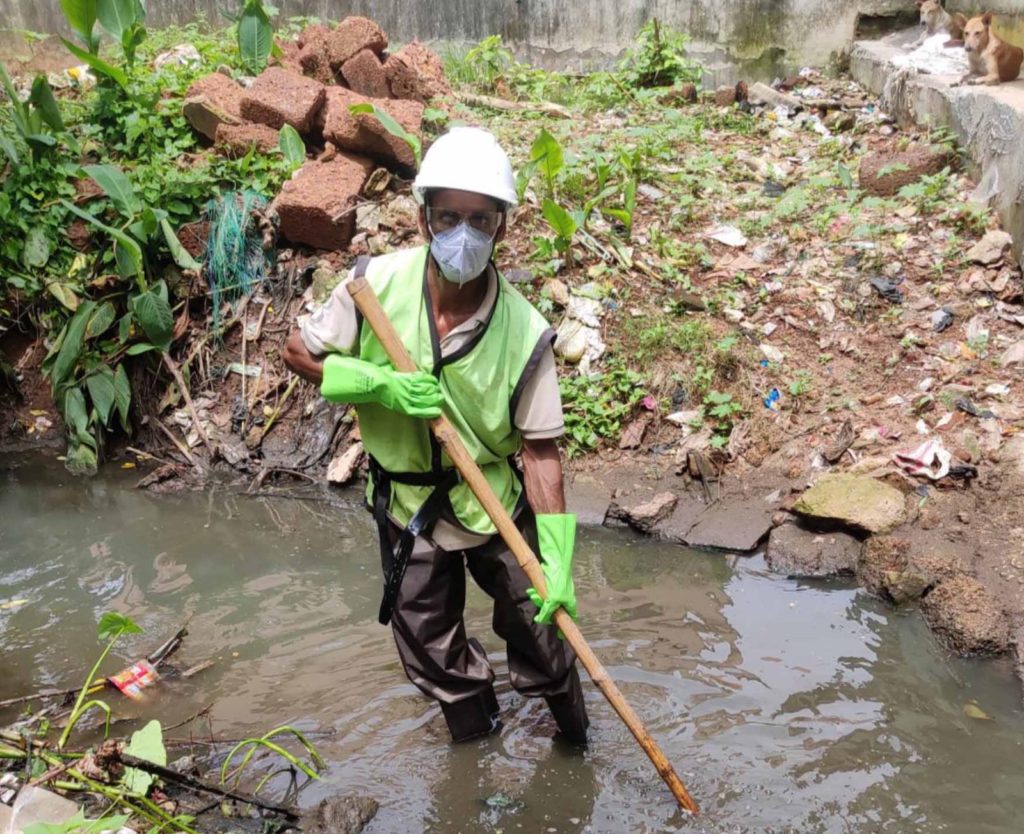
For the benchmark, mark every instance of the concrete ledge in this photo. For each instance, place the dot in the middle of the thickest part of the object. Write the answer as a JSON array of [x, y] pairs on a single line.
[[988, 121]]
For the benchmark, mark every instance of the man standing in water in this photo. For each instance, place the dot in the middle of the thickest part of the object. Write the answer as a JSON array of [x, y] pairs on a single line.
[[485, 360]]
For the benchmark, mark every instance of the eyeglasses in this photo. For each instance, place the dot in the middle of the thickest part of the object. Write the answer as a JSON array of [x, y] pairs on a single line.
[[443, 220]]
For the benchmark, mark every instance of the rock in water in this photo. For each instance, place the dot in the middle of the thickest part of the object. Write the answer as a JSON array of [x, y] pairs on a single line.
[[853, 501], [644, 516], [967, 617], [341, 815], [795, 551]]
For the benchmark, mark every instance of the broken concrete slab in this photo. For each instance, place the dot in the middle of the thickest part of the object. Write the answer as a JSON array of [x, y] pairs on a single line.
[[416, 72], [988, 121], [352, 36], [278, 97], [342, 469], [739, 524], [991, 249], [34, 804], [363, 133], [967, 618], [317, 206], [795, 551], [364, 74], [237, 140], [644, 517], [854, 501], [588, 498]]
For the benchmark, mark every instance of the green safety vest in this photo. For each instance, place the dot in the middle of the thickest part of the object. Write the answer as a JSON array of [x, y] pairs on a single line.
[[481, 383]]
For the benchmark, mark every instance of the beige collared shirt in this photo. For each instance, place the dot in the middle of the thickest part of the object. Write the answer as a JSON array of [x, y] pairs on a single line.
[[333, 327]]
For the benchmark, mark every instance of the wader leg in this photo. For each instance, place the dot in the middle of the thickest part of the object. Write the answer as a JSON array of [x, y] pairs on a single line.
[[540, 664], [432, 644]]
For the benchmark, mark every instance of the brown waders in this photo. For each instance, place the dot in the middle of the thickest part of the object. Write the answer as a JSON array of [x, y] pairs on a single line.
[[452, 668]]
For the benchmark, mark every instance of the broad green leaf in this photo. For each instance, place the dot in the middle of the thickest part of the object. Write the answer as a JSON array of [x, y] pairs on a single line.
[[112, 625], [559, 220], [76, 415], [116, 16], [154, 316], [64, 294], [523, 178], [122, 396], [132, 250], [45, 103], [146, 744], [115, 74], [78, 824], [37, 248], [293, 149], [117, 187], [101, 391], [19, 112], [71, 346], [81, 16], [9, 148], [140, 348], [391, 126], [181, 256], [255, 36], [101, 320], [547, 153]]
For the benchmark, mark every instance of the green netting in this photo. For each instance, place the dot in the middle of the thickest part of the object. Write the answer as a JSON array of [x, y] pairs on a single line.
[[236, 261]]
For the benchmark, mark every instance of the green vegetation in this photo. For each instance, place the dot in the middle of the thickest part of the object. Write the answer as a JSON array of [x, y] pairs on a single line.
[[127, 136], [597, 406], [111, 628]]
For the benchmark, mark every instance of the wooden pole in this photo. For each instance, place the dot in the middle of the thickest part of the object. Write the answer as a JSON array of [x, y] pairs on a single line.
[[366, 300]]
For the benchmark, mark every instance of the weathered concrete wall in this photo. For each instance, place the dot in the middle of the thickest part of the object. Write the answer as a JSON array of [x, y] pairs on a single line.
[[765, 35], [988, 121], [753, 38]]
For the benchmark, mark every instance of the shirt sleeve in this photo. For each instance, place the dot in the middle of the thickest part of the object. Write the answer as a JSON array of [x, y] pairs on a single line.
[[333, 327], [539, 410]]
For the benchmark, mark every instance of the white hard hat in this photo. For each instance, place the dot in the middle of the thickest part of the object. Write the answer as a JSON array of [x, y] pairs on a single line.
[[467, 159]]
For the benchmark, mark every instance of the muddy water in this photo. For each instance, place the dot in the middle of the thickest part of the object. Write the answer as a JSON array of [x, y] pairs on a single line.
[[786, 706]]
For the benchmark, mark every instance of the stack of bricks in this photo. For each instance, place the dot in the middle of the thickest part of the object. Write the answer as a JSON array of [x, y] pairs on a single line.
[[319, 76]]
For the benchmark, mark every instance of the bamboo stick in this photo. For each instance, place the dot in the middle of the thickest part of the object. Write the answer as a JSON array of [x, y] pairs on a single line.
[[368, 304]]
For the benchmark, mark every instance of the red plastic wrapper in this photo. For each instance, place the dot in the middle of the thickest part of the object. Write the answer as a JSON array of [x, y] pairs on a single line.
[[135, 678]]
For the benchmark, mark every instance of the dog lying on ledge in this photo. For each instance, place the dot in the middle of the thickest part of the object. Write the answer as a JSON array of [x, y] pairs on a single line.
[[991, 59]]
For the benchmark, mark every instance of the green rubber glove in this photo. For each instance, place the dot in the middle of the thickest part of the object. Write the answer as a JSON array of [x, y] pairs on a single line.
[[350, 380], [556, 536]]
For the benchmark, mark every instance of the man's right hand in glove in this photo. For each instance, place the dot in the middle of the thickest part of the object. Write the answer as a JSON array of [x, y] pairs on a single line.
[[350, 380]]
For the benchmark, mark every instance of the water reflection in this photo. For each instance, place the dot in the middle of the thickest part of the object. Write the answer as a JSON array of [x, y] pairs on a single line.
[[786, 706]]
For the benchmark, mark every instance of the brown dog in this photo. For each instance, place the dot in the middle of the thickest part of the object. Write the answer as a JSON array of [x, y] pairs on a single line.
[[991, 60]]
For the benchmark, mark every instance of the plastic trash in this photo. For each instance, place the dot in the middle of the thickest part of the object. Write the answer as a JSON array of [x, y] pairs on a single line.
[[930, 460], [888, 288], [135, 678], [967, 407], [942, 319], [771, 402]]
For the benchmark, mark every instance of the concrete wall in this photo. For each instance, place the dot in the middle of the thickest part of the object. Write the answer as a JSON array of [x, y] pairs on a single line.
[[762, 37]]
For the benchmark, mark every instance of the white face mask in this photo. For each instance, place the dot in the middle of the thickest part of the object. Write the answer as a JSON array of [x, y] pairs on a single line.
[[462, 253]]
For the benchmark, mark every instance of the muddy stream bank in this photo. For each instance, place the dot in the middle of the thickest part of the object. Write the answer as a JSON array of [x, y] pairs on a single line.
[[806, 706]]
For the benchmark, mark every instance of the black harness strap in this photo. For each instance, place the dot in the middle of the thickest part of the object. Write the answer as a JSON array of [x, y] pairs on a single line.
[[395, 560]]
